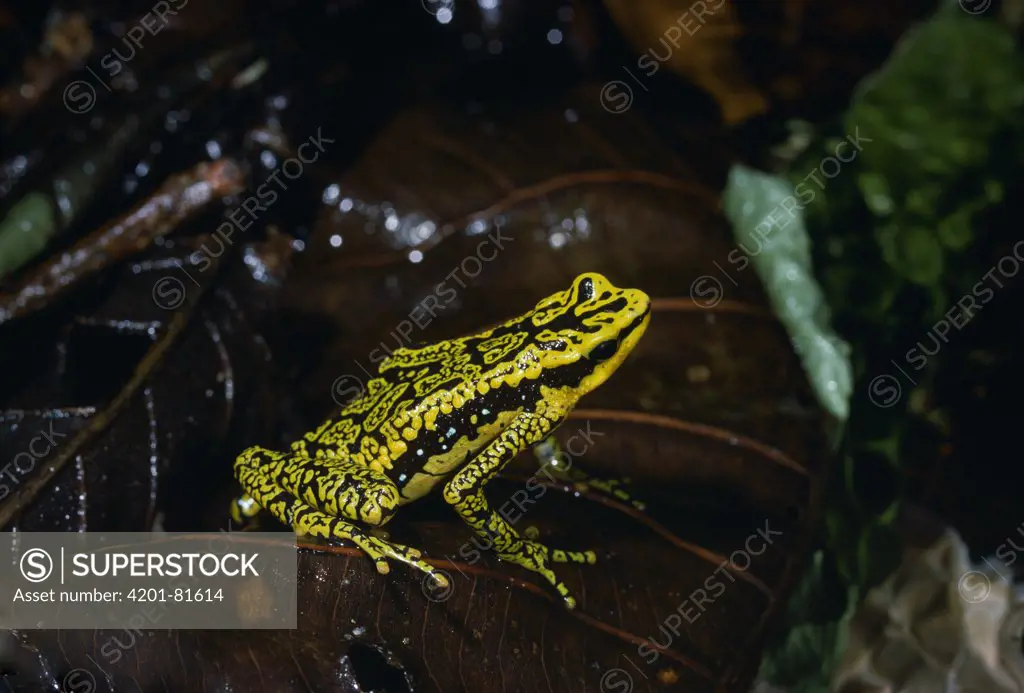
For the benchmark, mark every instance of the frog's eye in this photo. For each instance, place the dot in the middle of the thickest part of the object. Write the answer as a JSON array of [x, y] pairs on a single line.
[[587, 289], [604, 351]]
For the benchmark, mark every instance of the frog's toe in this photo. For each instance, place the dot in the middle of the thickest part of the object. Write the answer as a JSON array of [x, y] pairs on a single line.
[[382, 567], [245, 506], [439, 579], [560, 556], [399, 551], [614, 488], [404, 554], [563, 592], [534, 556]]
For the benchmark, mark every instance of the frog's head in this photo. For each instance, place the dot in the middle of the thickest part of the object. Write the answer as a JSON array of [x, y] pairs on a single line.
[[585, 332]]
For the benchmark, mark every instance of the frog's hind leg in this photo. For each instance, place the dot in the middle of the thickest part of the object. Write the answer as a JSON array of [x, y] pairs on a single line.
[[464, 491], [550, 456], [259, 471]]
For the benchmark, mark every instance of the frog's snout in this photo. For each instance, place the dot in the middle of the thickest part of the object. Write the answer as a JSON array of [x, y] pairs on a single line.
[[637, 312], [639, 302]]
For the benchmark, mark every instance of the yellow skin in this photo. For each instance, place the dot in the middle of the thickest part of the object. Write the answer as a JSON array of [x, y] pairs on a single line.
[[454, 412]]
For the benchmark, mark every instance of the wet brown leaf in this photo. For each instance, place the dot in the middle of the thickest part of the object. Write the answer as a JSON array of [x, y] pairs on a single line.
[[113, 404], [571, 188]]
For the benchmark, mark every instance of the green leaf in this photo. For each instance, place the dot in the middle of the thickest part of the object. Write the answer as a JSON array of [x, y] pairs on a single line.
[[994, 191], [25, 231], [751, 202], [805, 658], [955, 231], [844, 531], [878, 553], [890, 515], [924, 199], [913, 252], [939, 142], [888, 448], [877, 194]]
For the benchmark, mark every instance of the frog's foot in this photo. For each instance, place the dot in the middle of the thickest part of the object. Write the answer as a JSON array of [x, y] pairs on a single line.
[[319, 524], [255, 470], [534, 557], [610, 487], [583, 482], [555, 463], [244, 512]]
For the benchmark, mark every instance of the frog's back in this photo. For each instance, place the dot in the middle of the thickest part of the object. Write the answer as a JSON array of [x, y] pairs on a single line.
[[364, 429], [431, 369], [454, 411]]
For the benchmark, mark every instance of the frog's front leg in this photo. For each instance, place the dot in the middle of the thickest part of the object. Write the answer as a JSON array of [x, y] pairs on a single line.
[[464, 491], [319, 496], [551, 457]]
